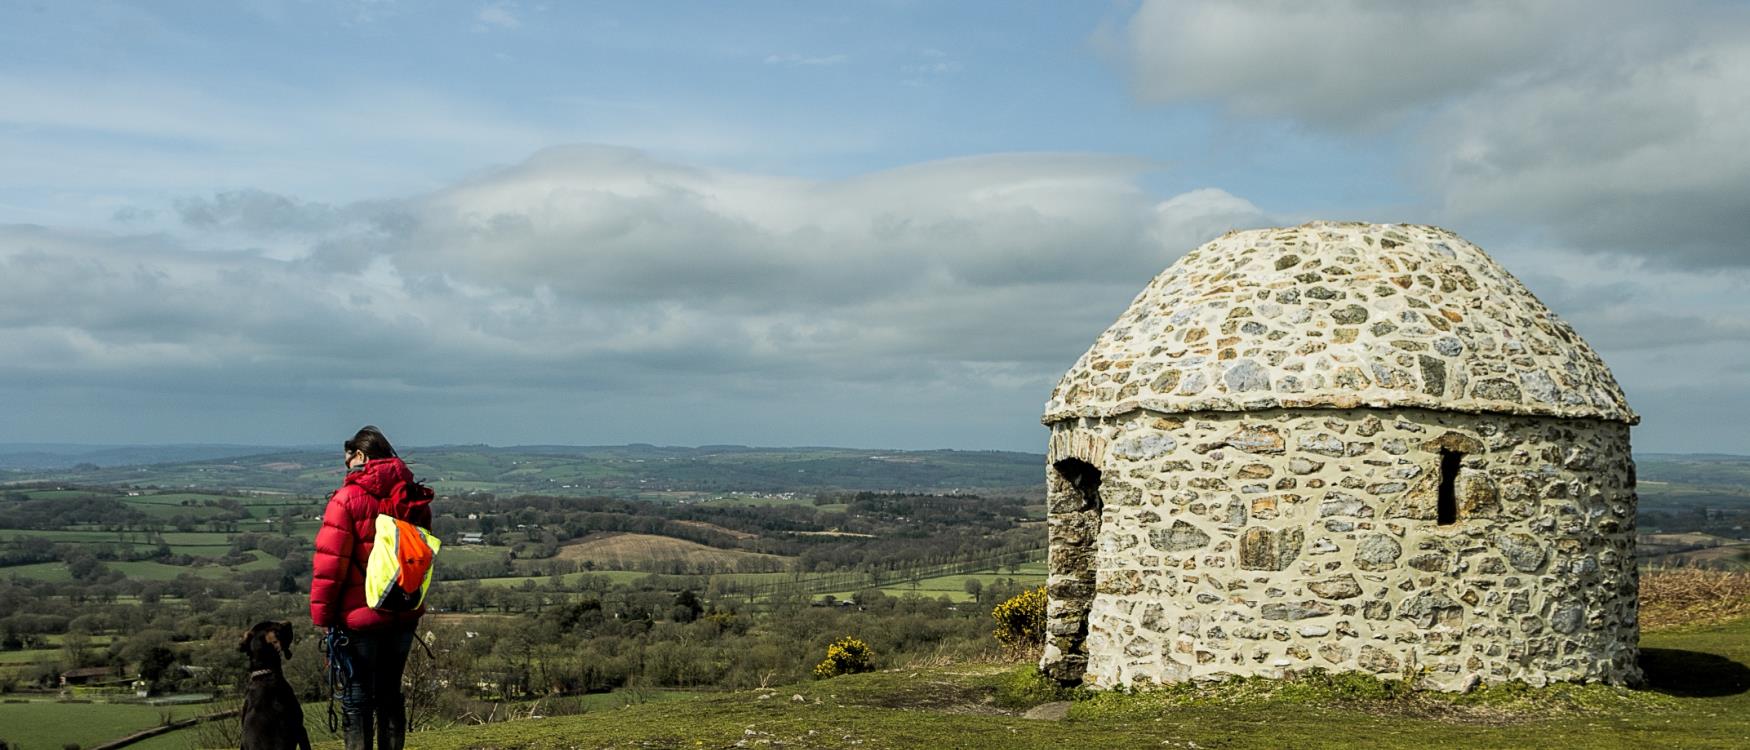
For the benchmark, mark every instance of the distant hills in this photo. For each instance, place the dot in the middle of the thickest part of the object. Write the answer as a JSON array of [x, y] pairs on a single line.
[[671, 472], [636, 470], [1701, 469], [46, 456]]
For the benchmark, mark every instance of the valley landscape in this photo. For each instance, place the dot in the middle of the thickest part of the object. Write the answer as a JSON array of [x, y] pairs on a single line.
[[587, 579]]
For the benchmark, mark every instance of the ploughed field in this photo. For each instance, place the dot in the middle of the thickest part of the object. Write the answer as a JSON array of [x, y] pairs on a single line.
[[629, 551]]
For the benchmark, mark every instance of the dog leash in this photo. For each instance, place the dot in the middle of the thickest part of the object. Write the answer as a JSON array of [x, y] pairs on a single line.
[[340, 667], [339, 671]]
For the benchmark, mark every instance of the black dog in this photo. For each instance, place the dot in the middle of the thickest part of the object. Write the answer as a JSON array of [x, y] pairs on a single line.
[[272, 718]]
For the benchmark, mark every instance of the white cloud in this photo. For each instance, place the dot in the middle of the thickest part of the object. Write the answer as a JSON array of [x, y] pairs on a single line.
[[794, 59], [1337, 64], [590, 272], [1677, 339], [150, 108], [67, 135], [498, 15], [1651, 155], [942, 67], [614, 223], [1617, 126], [62, 107], [609, 282], [366, 12], [135, 135], [930, 63]]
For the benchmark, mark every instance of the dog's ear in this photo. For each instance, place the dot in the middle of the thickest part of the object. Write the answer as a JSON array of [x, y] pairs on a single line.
[[247, 636], [284, 637]]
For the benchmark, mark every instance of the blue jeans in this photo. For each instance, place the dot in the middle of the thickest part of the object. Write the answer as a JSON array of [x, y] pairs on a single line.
[[378, 658]]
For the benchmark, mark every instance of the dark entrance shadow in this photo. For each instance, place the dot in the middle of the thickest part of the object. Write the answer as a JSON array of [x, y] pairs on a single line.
[[1693, 674]]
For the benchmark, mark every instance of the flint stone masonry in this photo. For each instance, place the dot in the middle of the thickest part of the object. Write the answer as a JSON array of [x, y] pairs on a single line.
[[1271, 421], [1446, 328]]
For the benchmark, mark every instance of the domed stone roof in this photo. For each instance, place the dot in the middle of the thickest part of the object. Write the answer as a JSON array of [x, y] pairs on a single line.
[[1339, 315]]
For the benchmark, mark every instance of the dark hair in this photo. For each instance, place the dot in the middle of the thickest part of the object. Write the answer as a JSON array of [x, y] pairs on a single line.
[[371, 442]]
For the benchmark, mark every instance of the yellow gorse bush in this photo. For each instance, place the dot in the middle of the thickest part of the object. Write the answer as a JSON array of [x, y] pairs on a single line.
[[846, 655], [1021, 621]]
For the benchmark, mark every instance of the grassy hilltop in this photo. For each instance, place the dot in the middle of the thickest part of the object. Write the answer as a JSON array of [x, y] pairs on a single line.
[[1699, 698]]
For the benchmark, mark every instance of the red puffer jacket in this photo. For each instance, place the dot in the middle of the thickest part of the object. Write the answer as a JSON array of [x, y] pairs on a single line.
[[337, 592]]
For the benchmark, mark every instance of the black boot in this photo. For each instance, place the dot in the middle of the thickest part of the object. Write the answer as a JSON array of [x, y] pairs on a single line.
[[358, 731], [392, 725]]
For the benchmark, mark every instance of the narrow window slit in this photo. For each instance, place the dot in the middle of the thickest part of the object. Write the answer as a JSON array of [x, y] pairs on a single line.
[[1449, 463]]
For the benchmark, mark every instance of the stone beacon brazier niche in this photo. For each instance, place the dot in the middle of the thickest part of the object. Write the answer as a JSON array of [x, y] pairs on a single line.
[[1354, 447]]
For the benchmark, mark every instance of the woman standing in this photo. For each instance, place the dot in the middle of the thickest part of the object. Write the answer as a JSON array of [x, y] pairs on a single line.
[[374, 642]]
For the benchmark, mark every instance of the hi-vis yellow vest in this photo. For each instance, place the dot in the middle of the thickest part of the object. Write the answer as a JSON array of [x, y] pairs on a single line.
[[398, 572]]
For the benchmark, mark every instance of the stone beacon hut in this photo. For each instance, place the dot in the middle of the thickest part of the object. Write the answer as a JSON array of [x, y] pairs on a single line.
[[1348, 446]]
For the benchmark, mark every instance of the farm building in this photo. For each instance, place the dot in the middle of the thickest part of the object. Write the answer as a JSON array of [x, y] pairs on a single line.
[[89, 675], [1347, 446]]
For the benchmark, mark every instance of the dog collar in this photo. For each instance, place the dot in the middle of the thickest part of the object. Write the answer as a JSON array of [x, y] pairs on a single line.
[[259, 672]]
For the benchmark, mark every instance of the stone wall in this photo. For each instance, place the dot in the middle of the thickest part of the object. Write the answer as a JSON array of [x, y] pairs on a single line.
[[1073, 513], [1267, 542]]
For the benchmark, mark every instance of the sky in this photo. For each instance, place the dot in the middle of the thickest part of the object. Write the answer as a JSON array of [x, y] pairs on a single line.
[[873, 224]]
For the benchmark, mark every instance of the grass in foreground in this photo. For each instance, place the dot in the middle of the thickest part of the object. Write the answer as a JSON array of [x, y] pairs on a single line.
[[1699, 697]]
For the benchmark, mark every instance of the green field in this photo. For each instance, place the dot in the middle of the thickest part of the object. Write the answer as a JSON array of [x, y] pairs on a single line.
[[470, 554], [28, 656], [61, 494], [954, 586], [629, 576], [172, 538], [951, 586], [147, 570], [1699, 698], [165, 510], [194, 543], [755, 578], [100, 639], [570, 579], [49, 726], [143, 570]]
